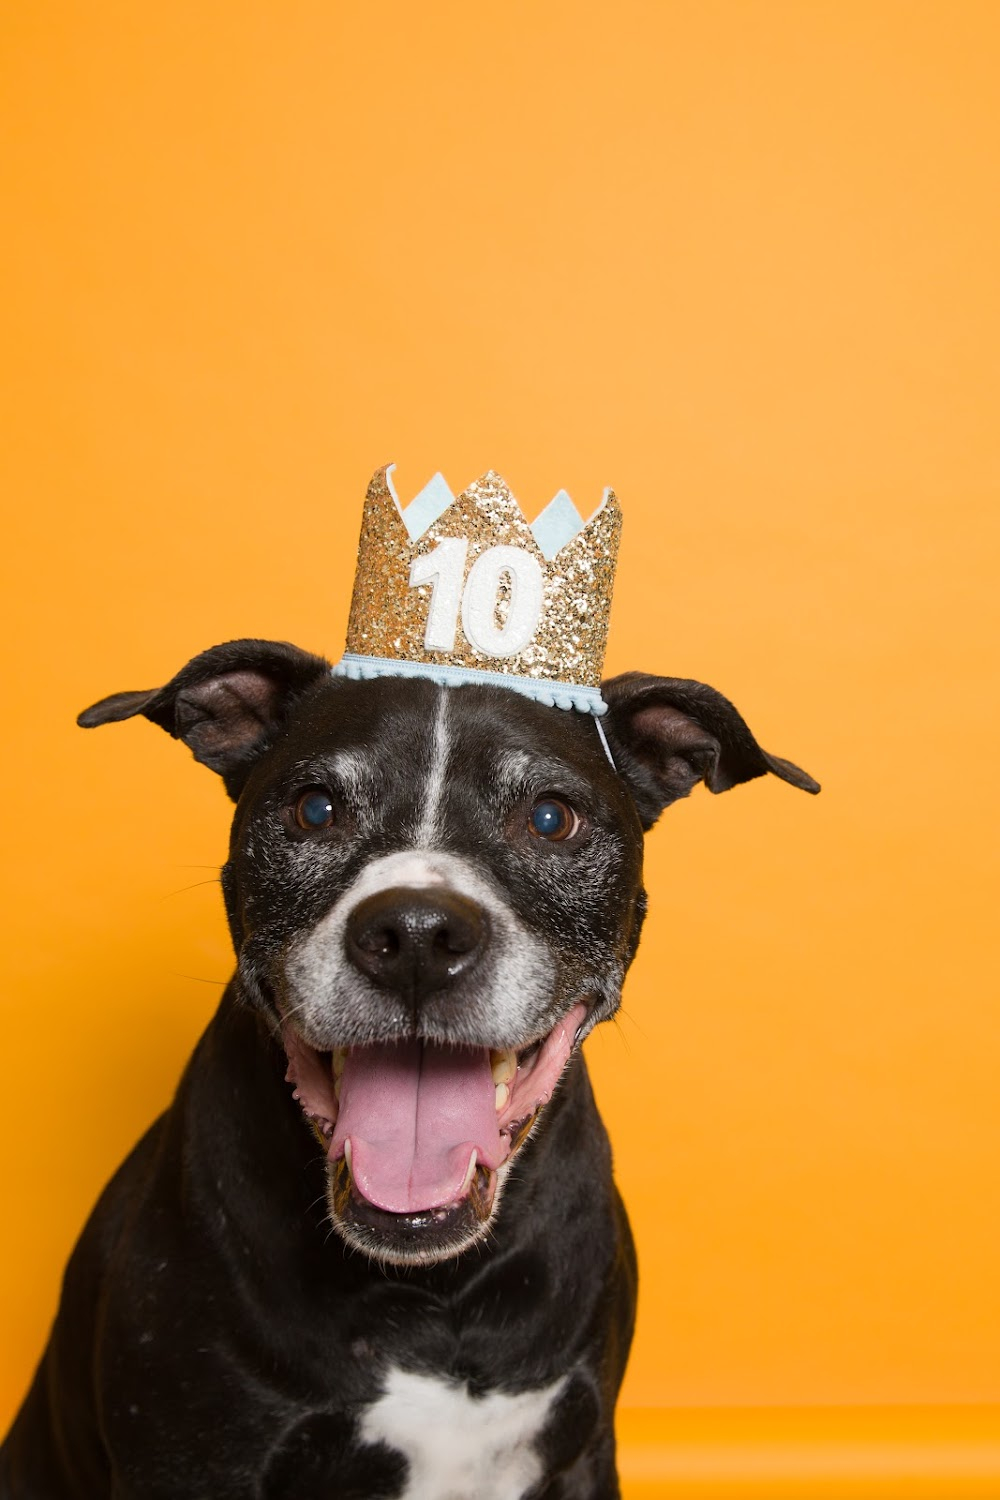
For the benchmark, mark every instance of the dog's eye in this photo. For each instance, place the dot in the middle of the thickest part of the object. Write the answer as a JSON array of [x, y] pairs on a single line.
[[553, 820], [314, 809]]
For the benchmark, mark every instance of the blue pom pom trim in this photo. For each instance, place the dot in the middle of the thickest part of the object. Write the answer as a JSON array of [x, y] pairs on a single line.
[[585, 700]]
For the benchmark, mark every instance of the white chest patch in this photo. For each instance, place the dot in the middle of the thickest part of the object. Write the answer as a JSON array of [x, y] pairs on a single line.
[[457, 1445]]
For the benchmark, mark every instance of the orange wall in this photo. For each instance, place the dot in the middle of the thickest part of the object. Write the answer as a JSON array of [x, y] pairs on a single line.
[[739, 260]]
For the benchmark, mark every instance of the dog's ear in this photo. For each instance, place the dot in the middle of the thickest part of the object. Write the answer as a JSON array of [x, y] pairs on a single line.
[[669, 733], [225, 704]]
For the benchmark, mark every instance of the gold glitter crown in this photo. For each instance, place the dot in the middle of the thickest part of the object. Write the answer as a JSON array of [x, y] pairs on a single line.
[[462, 589]]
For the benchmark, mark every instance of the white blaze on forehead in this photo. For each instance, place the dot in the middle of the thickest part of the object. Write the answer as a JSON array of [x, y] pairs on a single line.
[[427, 831], [458, 1446]]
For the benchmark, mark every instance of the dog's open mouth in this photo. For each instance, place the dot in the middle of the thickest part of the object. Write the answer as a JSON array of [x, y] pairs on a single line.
[[416, 1131]]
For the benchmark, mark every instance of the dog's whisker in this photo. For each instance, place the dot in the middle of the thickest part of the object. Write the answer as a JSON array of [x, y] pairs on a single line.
[[293, 1010], [183, 889], [622, 1019]]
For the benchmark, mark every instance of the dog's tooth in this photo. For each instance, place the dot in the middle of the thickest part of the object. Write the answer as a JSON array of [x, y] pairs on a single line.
[[470, 1173], [503, 1094], [339, 1059], [347, 1152], [504, 1065]]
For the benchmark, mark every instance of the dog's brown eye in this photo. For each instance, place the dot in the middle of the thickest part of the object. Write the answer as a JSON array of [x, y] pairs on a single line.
[[314, 809], [553, 820]]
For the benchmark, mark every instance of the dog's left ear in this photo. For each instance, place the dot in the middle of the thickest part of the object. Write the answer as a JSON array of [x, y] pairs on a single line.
[[669, 733], [225, 704]]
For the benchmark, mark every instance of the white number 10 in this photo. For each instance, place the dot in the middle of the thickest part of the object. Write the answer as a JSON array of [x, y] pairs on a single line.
[[444, 568]]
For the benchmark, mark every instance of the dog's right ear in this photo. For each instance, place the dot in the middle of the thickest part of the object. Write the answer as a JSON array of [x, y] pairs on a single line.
[[669, 733], [226, 704]]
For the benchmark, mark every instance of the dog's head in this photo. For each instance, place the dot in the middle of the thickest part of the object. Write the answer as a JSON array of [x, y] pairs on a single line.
[[434, 895]]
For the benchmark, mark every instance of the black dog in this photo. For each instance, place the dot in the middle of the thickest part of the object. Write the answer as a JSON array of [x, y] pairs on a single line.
[[434, 894]]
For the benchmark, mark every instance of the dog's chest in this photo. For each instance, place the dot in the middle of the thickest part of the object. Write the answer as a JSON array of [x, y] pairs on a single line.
[[457, 1445]]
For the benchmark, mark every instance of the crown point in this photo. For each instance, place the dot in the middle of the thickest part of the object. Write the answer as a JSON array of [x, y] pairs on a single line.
[[426, 507], [558, 524]]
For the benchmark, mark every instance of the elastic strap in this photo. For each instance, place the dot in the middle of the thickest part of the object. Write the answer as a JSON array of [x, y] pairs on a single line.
[[604, 741]]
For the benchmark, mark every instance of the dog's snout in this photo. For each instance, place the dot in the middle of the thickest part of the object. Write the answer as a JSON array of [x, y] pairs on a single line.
[[416, 941]]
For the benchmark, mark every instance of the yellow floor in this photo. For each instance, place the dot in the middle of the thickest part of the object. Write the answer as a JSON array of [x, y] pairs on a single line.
[[843, 1453]]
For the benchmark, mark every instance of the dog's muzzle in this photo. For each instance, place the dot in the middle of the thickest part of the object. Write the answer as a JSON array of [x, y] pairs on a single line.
[[419, 1117]]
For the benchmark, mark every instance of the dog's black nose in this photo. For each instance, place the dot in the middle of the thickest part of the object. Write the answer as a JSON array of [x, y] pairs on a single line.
[[416, 941]]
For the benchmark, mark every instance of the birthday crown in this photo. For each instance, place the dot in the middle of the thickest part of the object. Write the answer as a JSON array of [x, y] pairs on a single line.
[[463, 589]]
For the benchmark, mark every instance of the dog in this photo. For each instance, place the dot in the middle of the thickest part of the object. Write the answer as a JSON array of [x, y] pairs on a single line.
[[374, 1247]]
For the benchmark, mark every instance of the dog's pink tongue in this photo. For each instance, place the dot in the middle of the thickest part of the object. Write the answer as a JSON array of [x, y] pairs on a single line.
[[413, 1113]]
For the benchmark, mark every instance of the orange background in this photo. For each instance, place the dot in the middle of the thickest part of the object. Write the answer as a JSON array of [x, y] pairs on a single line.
[[738, 260]]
